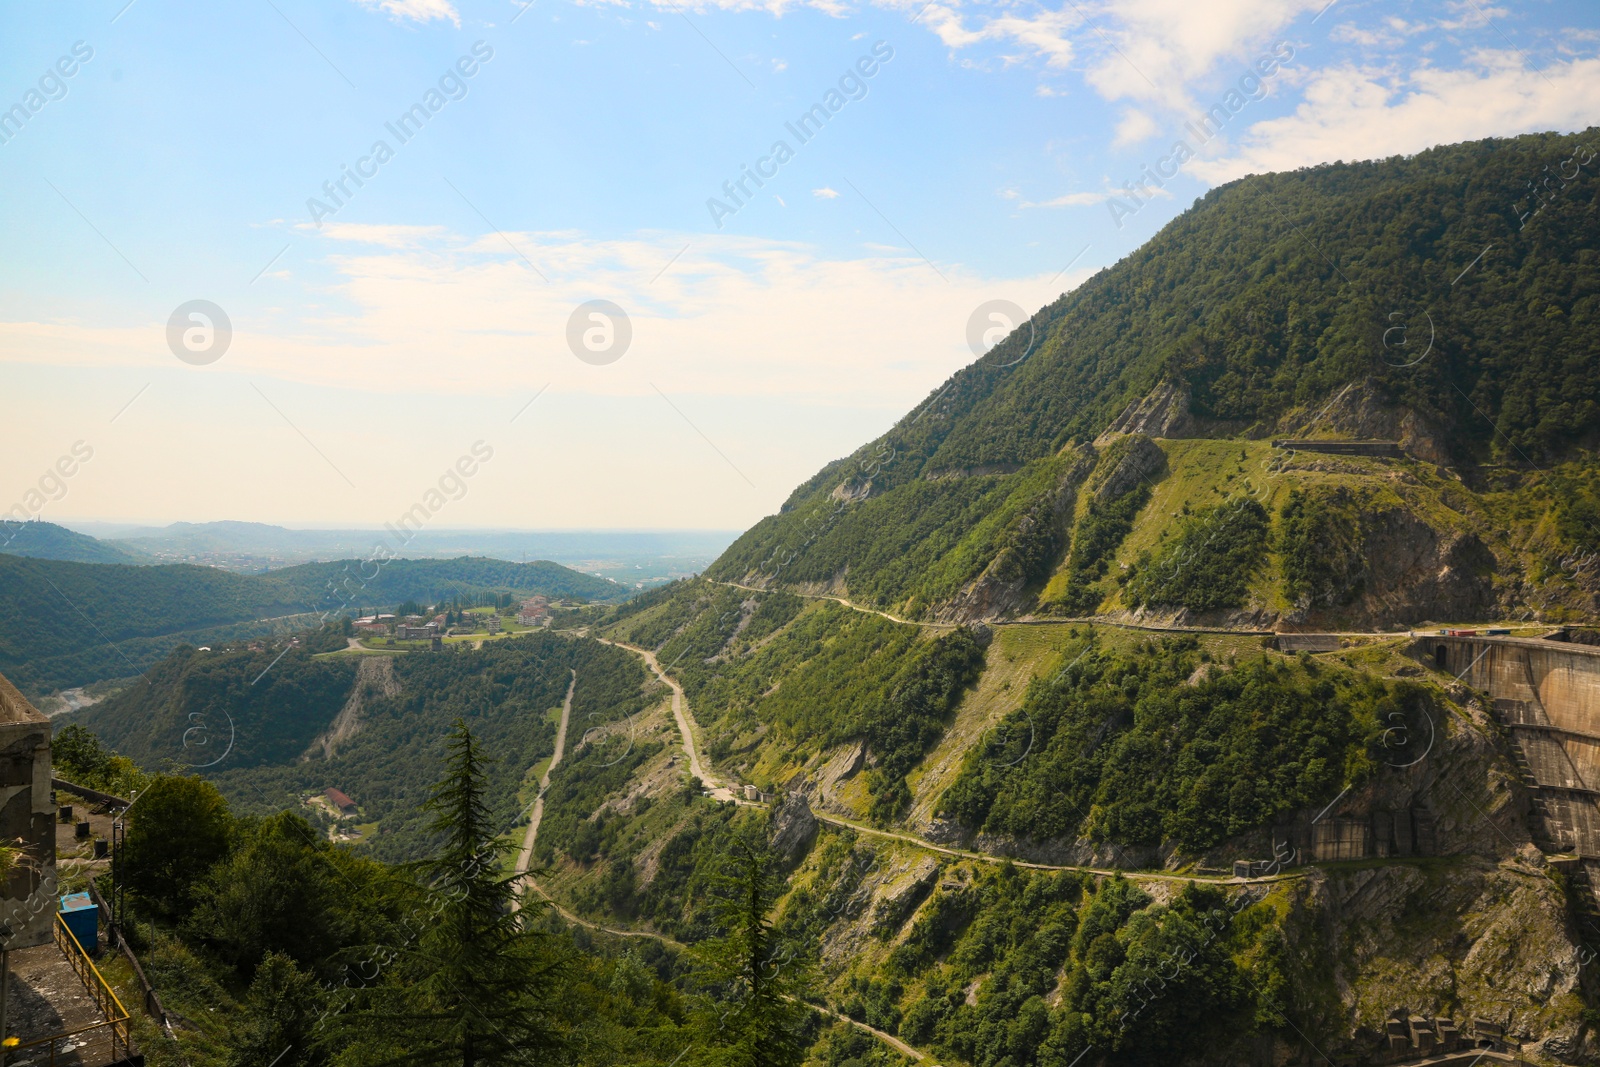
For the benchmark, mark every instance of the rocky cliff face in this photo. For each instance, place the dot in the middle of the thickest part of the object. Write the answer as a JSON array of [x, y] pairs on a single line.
[[1007, 585], [1395, 568], [1163, 413], [1360, 411], [1466, 940]]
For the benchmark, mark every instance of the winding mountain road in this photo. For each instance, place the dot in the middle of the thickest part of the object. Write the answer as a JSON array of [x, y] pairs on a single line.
[[525, 855], [1075, 620], [685, 718], [840, 600], [984, 857], [687, 726]]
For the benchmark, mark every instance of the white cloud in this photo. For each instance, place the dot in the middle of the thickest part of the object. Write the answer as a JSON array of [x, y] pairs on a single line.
[[1351, 112], [826, 193], [463, 315], [1134, 126], [1161, 47], [1069, 200], [388, 236], [1043, 34], [416, 10]]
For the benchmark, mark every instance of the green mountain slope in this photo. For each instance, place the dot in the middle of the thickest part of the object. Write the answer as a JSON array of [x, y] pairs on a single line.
[[1118, 461], [1339, 301], [46, 540], [254, 722], [88, 621], [1004, 817]]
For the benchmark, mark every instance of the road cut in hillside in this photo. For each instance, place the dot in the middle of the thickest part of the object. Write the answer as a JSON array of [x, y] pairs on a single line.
[[685, 718], [525, 856]]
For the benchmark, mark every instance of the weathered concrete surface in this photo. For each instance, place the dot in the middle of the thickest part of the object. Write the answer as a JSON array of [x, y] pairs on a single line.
[[27, 814], [1547, 693]]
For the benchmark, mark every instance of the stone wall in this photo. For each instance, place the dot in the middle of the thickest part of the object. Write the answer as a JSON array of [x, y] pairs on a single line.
[[27, 819]]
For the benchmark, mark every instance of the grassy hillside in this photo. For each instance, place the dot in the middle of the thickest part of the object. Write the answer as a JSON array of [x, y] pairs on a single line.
[[84, 621]]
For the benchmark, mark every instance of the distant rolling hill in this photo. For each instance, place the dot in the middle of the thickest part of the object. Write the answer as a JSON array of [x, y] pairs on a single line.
[[75, 623], [46, 540]]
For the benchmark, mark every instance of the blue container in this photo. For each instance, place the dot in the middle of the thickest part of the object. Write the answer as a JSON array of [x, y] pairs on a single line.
[[82, 917]]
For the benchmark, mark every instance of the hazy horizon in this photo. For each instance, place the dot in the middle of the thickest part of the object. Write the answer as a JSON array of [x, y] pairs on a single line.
[[339, 261]]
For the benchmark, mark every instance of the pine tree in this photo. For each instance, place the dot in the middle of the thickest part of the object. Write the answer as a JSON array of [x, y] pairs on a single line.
[[468, 984], [757, 1017]]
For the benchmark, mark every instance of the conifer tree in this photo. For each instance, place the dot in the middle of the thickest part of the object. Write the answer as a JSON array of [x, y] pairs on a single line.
[[756, 1017], [469, 984]]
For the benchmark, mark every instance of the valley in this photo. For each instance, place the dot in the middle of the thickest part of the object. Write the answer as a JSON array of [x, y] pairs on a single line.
[[1182, 682]]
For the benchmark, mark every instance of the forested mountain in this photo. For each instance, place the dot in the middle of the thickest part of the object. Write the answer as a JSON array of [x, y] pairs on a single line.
[[254, 722], [85, 622], [1405, 299], [937, 655], [1005, 742], [46, 540]]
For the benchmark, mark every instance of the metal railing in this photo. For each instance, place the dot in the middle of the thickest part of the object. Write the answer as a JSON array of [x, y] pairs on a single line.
[[116, 1016]]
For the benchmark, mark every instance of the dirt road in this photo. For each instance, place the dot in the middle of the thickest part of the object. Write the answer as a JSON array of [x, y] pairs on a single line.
[[525, 856], [686, 724], [985, 857]]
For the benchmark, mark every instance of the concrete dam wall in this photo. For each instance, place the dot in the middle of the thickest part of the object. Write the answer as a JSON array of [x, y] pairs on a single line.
[[1547, 694]]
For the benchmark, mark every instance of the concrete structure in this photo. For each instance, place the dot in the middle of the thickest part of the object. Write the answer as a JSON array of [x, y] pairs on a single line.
[[1306, 642], [1547, 693], [1325, 837], [1380, 449], [27, 813]]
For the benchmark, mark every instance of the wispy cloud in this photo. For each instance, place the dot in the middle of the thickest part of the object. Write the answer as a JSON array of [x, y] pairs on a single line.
[[733, 317], [415, 10], [1067, 200], [388, 236], [1355, 112]]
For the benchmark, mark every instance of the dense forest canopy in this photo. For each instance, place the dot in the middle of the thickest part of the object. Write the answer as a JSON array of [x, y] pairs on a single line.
[[251, 722], [90, 621], [1419, 278]]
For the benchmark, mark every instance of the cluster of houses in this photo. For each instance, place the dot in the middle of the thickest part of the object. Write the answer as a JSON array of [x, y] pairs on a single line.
[[337, 803], [406, 628], [535, 611]]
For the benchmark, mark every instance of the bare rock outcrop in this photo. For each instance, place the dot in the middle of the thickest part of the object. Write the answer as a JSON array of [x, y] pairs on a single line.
[[1360, 411], [793, 827], [1141, 459], [374, 677], [1162, 413], [1031, 549], [1397, 568]]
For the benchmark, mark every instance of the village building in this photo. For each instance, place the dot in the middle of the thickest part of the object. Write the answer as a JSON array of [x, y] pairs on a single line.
[[339, 800]]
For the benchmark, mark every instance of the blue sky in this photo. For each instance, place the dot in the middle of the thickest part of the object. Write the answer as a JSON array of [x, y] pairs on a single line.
[[377, 337]]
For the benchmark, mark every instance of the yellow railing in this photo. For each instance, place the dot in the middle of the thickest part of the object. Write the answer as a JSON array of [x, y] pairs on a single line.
[[105, 998]]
